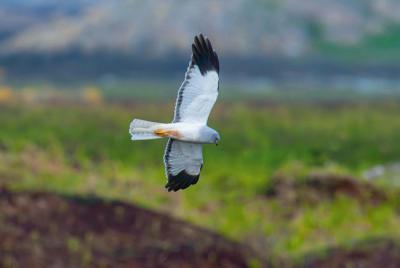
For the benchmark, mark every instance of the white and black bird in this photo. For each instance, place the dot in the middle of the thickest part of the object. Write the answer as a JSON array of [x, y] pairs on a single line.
[[183, 156]]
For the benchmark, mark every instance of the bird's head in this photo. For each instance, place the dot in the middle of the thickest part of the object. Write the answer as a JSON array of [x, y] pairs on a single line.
[[216, 138]]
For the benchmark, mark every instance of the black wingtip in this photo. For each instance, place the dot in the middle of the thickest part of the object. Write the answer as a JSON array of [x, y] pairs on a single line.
[[181, 181], [204, 55]]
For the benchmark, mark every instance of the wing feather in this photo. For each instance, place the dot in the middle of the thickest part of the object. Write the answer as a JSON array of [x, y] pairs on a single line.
[[183, 163], [199, 90]]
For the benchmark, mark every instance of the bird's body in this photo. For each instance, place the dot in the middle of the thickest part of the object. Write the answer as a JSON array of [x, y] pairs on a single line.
[[183, 154], [188, 132]]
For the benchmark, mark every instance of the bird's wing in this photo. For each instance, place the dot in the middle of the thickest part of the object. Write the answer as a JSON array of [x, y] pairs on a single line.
[[199, 90], [183, 162]]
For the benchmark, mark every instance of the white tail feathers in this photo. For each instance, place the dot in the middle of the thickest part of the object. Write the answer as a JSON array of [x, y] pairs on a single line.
[[143, 130]]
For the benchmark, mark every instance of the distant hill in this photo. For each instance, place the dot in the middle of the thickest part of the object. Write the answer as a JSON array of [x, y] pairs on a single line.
[[156, 28]]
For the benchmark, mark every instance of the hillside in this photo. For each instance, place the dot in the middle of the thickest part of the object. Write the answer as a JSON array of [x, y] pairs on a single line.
[[53, 231], [289, 28]]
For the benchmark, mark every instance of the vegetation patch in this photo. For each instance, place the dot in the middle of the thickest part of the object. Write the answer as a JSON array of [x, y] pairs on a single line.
[[72, 149]]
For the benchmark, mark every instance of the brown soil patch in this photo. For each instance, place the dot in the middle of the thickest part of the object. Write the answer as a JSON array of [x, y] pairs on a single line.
[[371, 254], [46, 230], [317, 187]]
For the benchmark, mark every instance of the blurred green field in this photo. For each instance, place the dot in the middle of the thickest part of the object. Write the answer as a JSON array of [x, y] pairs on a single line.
[[73, 149]]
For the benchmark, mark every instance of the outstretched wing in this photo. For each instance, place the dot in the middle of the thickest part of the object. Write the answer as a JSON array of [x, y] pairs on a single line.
[[199, 91], [183, 162]]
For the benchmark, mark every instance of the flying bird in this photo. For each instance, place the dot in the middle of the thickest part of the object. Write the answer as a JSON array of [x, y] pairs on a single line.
[[183, 156]]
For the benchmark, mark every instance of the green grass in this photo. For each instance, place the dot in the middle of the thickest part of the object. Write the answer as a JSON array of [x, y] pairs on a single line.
[[87, 150]]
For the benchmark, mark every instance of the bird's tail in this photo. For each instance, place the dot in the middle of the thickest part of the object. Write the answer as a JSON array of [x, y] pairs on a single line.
[[143, 130]]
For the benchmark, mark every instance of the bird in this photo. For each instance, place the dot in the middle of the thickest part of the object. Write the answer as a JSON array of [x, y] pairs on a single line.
[[183, 158]]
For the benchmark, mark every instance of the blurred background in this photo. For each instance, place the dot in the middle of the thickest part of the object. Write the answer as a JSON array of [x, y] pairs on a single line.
[[308, 171]]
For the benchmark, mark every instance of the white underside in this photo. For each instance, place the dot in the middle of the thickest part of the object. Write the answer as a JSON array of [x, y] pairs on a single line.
[[188, 132], [197, 96]]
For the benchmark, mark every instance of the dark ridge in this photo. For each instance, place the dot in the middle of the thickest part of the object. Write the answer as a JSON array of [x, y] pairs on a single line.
[[181, 181], [204, 55], [48, 230], [75, 66]]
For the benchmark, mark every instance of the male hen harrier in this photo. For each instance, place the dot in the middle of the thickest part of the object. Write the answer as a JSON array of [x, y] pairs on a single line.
[[183, 154]]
